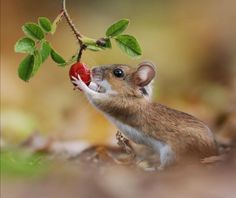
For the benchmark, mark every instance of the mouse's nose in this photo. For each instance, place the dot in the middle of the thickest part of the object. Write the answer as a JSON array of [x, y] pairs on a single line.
[[96, 70]]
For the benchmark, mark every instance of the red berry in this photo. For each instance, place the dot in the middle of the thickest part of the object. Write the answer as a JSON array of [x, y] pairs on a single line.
[[82, 70]]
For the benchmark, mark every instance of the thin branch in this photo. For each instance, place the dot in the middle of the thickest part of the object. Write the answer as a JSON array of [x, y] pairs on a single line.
[[70, 23], [82, 48]]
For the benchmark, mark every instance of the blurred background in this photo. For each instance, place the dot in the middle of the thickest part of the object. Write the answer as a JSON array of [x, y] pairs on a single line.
[[193, 44]]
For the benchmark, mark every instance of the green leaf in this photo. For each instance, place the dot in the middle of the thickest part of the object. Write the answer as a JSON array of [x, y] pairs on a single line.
[[37, 62], [55, 22], [88, 41], [94, 48], [91, 44], [129, 45], [57, 58], [33, 30], [45, 24], [108, 43], [72, 60], [26, 68], [45, 50], [117, 28], [25, 45]]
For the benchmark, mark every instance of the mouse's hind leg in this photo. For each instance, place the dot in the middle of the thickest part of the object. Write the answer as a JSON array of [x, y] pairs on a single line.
[[167, 157], [165, 151]]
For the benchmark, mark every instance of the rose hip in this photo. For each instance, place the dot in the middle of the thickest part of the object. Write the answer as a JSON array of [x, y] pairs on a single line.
[[82, 70]]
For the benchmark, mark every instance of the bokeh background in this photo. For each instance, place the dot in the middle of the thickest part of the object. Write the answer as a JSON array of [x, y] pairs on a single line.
[[193, 44]]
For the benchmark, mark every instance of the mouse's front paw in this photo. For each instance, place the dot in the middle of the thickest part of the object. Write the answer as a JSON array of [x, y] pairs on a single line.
[[78, 82]]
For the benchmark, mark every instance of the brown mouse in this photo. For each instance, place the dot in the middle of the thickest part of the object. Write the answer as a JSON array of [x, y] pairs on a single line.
[[123, 94]]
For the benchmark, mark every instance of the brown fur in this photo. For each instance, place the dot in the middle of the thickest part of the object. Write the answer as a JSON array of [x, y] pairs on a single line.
[[183, 132]]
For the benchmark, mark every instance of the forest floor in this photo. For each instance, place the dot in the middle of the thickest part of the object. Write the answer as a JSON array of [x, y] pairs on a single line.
[[42, 167]]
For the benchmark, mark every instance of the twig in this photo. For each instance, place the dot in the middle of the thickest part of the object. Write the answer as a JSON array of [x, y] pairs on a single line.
[[75, 31], [82, 48], [77, 34]]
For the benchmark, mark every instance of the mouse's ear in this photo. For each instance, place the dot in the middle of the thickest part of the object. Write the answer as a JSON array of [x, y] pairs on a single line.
[[145, 73]]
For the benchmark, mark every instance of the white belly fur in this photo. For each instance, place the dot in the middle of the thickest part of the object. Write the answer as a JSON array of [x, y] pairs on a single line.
[[137, 136], [167, 156]]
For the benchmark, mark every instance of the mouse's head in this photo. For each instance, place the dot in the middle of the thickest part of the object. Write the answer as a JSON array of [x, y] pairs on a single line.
[[124, 80]]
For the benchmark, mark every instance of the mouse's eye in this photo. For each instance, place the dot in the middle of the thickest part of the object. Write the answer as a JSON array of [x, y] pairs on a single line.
[[118, 73]]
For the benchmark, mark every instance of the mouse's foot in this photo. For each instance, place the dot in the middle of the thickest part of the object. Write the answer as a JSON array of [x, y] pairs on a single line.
[[125, 144]]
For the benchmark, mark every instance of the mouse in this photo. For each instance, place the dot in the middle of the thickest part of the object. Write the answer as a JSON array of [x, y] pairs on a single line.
[[124, 95]]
